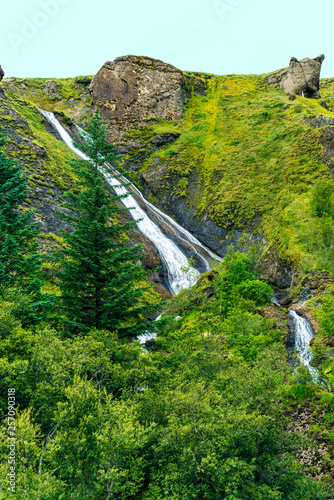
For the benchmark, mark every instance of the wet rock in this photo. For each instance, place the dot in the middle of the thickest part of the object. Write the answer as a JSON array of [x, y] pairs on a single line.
[[286, 301], [2, 73], [163, 140], [304, 294], [290, 338], [132, 90]]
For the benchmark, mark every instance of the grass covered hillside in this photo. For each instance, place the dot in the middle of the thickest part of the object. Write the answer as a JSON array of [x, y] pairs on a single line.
[[216, 406], [243, 155], [246, 156]]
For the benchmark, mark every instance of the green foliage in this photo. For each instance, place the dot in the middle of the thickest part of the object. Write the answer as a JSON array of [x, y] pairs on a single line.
[[194, 422], [313, 232], [19, 258], [237, 278], [202, 416], [247, 150], [98, 278], [322, 198], [255, 290], [20, 261], [326, 315]]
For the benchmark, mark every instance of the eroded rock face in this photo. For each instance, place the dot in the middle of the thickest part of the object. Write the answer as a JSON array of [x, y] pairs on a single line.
[[2, 73], [133, 89], [277, 272], [300, 78], [51, 90]]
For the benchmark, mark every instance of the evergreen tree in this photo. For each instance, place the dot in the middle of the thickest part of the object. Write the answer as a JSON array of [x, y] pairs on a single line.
[[18, 247], [99, 281], [20, 261]]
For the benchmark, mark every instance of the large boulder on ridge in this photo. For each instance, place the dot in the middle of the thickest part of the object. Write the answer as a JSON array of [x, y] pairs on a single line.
[[132, 89], [300, 78], [2, 73]]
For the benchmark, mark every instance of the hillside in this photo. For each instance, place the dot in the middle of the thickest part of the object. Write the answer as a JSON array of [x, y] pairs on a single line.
[[216, 404]]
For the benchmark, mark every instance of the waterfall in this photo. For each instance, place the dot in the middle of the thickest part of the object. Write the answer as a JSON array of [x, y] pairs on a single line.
[[304, 333], [174, 260]]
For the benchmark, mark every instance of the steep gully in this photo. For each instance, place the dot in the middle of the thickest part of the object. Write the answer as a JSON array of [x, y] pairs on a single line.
[[174, 260]]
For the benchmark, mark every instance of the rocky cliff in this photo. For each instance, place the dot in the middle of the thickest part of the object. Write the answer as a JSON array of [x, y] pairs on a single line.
[[132, 90], [198, 144], [224, 155]]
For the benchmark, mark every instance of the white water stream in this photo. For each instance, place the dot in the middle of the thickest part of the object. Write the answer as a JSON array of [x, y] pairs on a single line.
[[172, 257], [304, 334]]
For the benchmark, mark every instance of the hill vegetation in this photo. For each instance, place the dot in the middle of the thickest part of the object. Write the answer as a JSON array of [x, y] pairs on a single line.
[[215, 407]]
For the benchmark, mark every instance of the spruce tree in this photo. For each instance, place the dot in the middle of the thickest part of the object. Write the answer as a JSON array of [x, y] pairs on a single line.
[[100, 282], [20, 260]]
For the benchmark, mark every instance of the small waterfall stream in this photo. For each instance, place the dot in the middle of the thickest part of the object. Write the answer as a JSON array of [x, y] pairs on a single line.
[[173, 258], [304, 333]]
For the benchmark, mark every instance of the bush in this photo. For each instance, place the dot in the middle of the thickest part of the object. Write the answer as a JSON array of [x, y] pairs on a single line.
[[322, 200], [255, 290]]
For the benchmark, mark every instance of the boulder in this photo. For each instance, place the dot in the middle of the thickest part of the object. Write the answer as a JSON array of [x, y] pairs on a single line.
[[2, 73], [302, 77], [132, 90]]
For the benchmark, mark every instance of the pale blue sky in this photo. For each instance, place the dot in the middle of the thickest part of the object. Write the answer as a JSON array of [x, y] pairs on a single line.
[[65, 38]]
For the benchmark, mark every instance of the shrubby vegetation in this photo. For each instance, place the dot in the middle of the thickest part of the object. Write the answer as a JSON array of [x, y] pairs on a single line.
[[99, 281], [201, 413]]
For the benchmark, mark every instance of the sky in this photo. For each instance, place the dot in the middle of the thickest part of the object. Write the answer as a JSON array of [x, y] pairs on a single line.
[[67, 38]]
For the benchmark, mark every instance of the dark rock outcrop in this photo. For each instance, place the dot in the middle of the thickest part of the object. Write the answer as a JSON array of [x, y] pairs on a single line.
[[132, 90], [300, 78], [2, 73], [276, 271]]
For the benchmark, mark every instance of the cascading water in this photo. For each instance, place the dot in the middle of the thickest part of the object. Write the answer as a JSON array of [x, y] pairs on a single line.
[[175, 262], [304, 333]]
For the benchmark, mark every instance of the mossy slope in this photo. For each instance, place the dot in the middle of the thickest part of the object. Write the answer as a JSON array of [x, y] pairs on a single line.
[[245, 156]]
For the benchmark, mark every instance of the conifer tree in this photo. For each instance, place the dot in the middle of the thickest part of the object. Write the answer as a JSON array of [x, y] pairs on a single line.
[[20, 261], [18, 247], [101, 285]]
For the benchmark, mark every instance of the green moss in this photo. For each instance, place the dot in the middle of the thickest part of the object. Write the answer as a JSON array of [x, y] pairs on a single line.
[[68, 98], [252, 154], [158, 127], [52, 237], [181, 188], [58, 154]]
